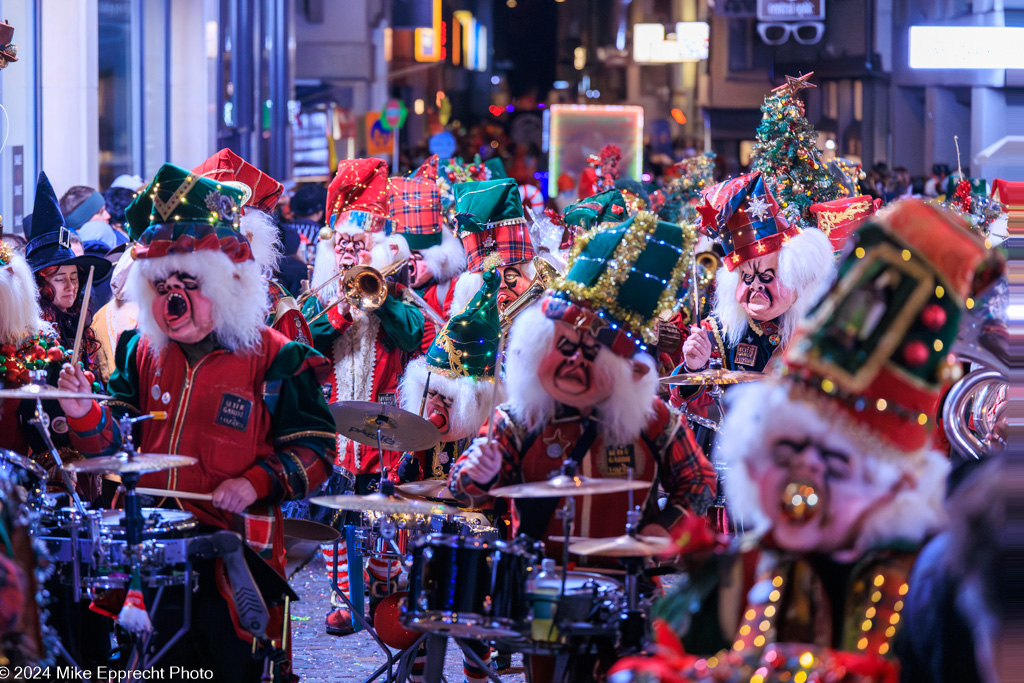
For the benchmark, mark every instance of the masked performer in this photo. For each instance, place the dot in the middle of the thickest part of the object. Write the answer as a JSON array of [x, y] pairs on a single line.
[[834, 463], [368, 349], [240, 397]]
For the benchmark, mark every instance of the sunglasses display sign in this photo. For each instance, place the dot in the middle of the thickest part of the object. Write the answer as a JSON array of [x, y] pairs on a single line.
[[790, 10], [801, 20]]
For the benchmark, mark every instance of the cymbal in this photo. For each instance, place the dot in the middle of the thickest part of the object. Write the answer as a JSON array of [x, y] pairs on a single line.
[[139, 462], [378, 502], [44, 391], [572, 539], [713, 376], [431, 488], [562, 485], [622, 546], [400, 429]]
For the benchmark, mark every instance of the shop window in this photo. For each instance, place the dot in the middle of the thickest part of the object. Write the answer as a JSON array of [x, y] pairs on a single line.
[[116, 79]]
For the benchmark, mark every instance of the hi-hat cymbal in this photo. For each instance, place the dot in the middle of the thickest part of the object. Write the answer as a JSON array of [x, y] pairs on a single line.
[[713, 376], [378, 502], [432, 488], [563, 485], [139, 462], [622, 546], [400, 430], [44, 391]]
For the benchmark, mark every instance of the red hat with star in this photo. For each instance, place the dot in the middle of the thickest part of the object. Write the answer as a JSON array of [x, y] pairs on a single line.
[[744, 217], [876, 350]]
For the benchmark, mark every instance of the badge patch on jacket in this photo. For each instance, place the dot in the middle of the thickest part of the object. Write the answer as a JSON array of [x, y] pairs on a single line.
[[234, 412], [618, 460], [388, 398], [746, 354]]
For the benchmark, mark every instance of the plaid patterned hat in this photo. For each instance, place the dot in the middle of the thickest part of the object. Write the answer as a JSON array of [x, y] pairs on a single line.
[[186, 213], [360, 196], [416, 210], [489, 219], [467, 345], [877, 346], [840, 218], [743, 215], [226, 167], [620, 280]]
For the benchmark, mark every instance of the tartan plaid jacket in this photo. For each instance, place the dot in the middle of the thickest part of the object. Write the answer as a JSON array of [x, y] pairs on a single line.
[[665, 454], [261, 416]]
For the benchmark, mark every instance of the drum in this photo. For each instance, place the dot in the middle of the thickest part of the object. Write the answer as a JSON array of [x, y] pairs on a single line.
[[386, 536], [590, 605], [467, 587], [159, 523], [26, 479]]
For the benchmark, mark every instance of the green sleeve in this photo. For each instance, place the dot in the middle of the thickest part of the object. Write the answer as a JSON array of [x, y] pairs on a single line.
[[292, 390], [402, 322], [323, 332], [124, 381]]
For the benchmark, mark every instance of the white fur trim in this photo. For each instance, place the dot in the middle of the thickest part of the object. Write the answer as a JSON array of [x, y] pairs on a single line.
[[238, 292], [469, 284], [260, 229], [470, 398], [623, 415], [760, 412], [19, 303], [447, 259], [806, 265]]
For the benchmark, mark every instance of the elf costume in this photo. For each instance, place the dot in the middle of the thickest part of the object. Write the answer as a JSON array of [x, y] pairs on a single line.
[[368, 350], [245, 401], [833, 463]]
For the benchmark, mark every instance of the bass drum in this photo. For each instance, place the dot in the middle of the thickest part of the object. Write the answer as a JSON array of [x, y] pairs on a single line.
[[467, 587]]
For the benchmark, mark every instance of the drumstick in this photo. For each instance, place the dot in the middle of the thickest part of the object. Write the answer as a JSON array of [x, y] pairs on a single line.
[[494, 391], [169, 493], [696, 293], [81, 317]]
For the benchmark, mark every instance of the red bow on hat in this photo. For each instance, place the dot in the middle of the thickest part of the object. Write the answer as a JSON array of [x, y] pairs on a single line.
[[226, 167]]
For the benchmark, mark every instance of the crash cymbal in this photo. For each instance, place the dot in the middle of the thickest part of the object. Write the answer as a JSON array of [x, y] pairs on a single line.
[[564, 485], [138, 462], [713, 376], [400, 429], [378, 502], [44, 391], [432, 488], [622, 546], [572, 539]]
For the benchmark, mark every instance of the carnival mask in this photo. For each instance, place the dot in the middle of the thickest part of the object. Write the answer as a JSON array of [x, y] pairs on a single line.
[[438, 413], [513, 284], [181, 310], [760, 292], [352, 249], [568, 372], [421, 275], [818, 488]]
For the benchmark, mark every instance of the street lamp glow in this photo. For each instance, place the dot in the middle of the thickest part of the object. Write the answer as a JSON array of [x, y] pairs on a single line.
[[966, 47]]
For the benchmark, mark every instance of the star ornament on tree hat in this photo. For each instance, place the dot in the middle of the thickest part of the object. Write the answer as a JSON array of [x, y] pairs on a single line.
[[758, 207], [794, 85]]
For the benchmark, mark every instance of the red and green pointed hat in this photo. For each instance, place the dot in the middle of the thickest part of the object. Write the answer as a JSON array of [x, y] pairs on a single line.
[[877, 346], [181, 212], [468, 343]]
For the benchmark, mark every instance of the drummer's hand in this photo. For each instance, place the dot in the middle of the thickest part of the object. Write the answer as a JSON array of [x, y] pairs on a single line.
[[696, 349], [74, 379], [483, 460], [234, 495]]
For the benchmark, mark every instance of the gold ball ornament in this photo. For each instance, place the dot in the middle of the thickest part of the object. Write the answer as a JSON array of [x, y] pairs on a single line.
[[326, 233]]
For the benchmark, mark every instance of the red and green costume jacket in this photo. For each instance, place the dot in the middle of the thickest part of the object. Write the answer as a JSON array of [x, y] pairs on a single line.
[[439, 297], [260, 416], [368, 353], [665, 453]]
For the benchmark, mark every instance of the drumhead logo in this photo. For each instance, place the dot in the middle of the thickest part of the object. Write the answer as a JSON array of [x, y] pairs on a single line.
[[234, 412]]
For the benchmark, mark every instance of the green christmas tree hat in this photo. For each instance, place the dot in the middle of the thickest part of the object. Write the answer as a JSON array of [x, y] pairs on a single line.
[[621, 278], [466, 346]]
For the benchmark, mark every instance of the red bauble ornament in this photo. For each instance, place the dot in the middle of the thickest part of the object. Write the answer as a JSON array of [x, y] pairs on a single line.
[[90, 376], [37, 352], [11, 376], [933, 317], [915, 353], [7, 349], [23, 376], [389, 627], [54, 354]]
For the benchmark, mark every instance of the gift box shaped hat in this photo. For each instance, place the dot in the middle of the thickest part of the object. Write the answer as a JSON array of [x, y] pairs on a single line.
[[840, 218], [460, 362], [877, 347], [620, 280], [744, 217], [49, 244], [260, 193], [601, 209], [489, 219]]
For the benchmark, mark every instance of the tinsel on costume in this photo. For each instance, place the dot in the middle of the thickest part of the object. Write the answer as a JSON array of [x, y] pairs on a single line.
[[787, 156]]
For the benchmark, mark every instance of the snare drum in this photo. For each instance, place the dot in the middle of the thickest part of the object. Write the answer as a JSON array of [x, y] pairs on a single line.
[[386, 536], [467, 587], [591, 601]]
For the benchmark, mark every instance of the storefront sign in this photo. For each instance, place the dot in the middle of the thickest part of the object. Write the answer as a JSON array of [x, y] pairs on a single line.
[[790, 10]]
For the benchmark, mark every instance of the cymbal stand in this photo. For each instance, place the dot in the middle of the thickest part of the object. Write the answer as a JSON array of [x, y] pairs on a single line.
[[631, 626], [42, 423]]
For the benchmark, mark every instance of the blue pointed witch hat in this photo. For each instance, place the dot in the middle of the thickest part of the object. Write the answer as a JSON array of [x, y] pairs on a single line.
[[50, 241]]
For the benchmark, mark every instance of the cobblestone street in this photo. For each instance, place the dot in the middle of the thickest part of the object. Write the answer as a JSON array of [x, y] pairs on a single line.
[[320, 658]]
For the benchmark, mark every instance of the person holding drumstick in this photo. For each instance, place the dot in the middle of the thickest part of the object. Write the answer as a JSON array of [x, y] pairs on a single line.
[[241, 398]]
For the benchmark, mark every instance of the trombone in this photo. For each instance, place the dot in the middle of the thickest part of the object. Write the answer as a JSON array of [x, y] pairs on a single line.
[[362, 287], [545, 277]]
